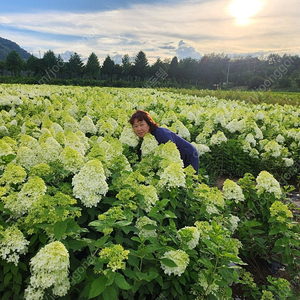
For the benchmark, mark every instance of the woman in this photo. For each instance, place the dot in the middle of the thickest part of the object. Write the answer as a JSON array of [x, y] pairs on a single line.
[[143, 123]]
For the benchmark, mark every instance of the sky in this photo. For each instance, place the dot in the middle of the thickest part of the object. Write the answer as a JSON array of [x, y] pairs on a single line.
[[162, 29]]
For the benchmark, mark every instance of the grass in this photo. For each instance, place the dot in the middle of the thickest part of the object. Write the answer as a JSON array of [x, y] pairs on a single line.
[[269, 97]]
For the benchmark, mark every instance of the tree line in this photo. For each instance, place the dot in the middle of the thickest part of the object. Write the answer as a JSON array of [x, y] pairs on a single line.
[[212, 71]]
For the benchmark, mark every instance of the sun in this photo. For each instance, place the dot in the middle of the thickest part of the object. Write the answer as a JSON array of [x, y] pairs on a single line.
[[243, 10]]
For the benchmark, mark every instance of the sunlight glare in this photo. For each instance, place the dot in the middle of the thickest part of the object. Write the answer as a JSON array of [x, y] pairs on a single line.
[[243, 10]]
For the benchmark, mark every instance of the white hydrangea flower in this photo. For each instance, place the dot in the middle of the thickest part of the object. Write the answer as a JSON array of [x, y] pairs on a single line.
[[86, 125], [280, 139], [181, 259], [267, 183], [218, 138], [128, 137], [201, 148], [189, 236], [234, 221], [260, 115], [12, 244], [232, 191], [258, 133], [27, 157], [250, 139], [90, 183], [3, 130], [143, 232], [49, 268], [288, 162], [149, 144], [273, 148]]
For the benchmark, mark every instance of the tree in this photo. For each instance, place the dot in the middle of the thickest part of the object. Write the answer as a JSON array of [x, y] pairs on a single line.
[[75, 66], [141, 65], [14, 63], [49, 59], [34, 65], [108, 67], [126, 66], [2, 67], [174, 68], [92, 66]]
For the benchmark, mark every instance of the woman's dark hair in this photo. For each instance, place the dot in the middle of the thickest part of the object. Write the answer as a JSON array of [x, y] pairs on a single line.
[[142, 115]]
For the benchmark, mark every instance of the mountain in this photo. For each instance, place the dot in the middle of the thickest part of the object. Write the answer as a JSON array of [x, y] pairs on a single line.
[[7, 46]]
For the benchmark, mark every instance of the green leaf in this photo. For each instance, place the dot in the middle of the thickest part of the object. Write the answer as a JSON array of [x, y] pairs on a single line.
[[97, 287], [168, 262], [110, 293], [149, 227], [121, 282], [60, 228], [170, 214]]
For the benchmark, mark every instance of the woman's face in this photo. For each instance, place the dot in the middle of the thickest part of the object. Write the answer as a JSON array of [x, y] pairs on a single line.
[[140, 128]]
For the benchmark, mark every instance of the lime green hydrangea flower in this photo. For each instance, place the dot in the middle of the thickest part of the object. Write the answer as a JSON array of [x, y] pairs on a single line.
[[49, 268], [71, 159], [267, 295], [13, 174], [20, 203], [232, 191], [173, 176], [189, 236], [90, 183], [143, 232], [150, 197], [181, 259], [267, 183], [280, 211], [169, 154], [12, 244], [115, 256]]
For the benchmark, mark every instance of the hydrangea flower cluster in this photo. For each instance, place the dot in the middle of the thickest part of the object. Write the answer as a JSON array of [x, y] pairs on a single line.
[[150, 197], [49, 268], [189, 236], [30, 193], [128, 137], [232, 191], [149, 144], [280, 211], [173, 176], [267, 183], [143, 232], [90, 183], [12, 244], [218, 138], [115, 255], [181, 259]]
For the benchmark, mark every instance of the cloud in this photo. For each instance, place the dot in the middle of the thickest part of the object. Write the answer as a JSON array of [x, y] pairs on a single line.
[[205, 26], [185, 50]]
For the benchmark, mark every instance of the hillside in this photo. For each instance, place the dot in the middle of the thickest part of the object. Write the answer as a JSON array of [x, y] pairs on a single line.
[[7, 46]]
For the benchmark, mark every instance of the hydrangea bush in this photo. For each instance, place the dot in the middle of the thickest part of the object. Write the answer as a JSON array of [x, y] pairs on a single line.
[[84, 216]]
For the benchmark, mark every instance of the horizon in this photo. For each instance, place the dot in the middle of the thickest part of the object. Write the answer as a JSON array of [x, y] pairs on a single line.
[[161, 29]]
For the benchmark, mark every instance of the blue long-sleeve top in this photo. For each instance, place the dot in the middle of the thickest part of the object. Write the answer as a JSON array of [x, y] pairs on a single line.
[[188, 152]]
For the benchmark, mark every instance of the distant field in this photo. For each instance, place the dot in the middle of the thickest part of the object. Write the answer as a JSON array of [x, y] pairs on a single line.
[[291, 98]]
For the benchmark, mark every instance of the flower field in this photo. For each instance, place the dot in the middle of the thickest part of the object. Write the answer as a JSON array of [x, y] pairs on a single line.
[[83, 217]]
